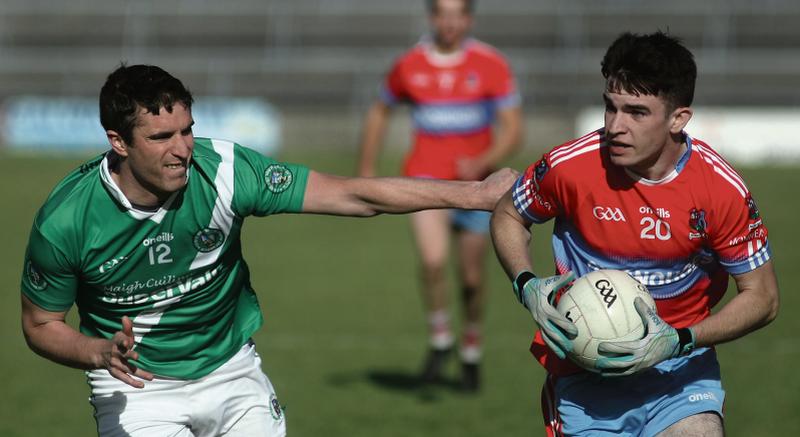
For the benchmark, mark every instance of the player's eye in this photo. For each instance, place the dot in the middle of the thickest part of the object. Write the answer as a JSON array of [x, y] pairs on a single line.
[[159, 137]]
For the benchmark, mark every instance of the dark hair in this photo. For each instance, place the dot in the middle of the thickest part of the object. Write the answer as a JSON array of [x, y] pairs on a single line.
[[139, 86], [469, 6], [656, 64]]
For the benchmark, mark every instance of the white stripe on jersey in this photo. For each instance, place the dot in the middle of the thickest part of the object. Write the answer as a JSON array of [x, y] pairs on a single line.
[[521, 198], [758, 255], [221, 218], [567, 148], [721, 161], [721, 167], [223, 215], [586, 145]]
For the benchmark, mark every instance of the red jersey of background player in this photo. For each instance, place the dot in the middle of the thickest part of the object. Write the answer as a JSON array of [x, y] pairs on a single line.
[[680, 236], [454, 99]]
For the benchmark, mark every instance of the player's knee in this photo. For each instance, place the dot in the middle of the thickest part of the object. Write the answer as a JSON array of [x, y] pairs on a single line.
[[433, 268], [471, 285]]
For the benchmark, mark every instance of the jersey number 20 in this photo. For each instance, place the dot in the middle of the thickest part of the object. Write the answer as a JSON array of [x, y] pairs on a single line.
[[655, 228]]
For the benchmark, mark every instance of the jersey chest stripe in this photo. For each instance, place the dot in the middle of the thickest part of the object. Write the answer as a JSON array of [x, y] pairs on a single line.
[[222, 216], [592, 146], [740, 188], [707, 150], [567, 148], [722, 168]]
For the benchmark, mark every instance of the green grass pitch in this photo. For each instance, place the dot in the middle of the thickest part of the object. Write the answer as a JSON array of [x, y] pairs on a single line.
[[344, 327]]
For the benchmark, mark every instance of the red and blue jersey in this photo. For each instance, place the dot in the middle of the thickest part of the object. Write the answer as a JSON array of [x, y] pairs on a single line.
[[454, 99], [681, 236]]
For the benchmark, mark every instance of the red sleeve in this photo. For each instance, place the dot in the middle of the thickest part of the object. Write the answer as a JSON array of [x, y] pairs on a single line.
[[737, 233], [535, 193], [394, 85]]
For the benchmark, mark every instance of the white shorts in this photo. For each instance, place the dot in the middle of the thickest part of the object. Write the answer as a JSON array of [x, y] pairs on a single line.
[[236, 399]]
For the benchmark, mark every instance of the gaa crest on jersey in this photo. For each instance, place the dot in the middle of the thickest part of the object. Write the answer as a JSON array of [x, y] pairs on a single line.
[[697, 224], [112, 263], [208, 239], [752, 212], [278, 178], [472, 81], [35, 277], [275, 407], [538, 173], [752, 209]]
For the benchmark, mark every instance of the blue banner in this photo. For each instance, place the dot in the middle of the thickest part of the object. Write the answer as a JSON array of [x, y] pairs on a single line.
[[72, 124]]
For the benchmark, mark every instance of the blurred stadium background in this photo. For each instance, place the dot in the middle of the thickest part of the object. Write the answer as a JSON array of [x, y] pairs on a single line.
[[293, 78]]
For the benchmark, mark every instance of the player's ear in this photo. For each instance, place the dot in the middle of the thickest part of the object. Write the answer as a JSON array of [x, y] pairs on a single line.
[[679, 119], [118, 145]]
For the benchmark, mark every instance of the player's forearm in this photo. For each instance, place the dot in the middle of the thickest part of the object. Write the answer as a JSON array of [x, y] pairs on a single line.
[[395, 195], [511, 240], [507, 140], [755, 306], [371, 140], [59, 342], [742, 315], [364, 197]]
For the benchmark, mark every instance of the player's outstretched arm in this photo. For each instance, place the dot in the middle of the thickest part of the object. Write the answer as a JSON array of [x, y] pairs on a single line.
[[364, 197], [48, 334]]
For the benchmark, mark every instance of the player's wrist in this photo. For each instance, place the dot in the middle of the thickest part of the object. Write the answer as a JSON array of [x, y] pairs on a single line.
[[522, 278], [686, 342], [519, 282]]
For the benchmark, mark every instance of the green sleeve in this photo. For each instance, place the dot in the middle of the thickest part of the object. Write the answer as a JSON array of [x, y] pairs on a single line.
[[264, 186], [47, 279]]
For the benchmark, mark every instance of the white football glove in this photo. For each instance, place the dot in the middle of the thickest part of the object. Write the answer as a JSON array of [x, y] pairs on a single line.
[[660, 342], [538, 295]]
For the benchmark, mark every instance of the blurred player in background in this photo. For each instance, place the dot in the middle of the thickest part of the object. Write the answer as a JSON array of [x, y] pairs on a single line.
[[457, 87], [145, 239], [641, 195]]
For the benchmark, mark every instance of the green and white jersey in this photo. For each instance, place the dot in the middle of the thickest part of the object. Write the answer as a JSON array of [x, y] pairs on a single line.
[[178, 272]]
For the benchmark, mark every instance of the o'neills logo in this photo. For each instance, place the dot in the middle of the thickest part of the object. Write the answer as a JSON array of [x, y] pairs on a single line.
[[160, 238]]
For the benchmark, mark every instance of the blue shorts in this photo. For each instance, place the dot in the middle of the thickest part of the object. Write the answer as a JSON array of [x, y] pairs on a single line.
[[643, 404], [471, 220]]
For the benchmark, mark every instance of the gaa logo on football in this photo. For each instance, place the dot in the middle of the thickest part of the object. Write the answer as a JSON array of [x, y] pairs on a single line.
[[208, 239]]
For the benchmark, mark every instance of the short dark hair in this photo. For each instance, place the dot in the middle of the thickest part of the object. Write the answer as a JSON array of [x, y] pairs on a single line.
[[655, 64], [469, 6], [139, 86]]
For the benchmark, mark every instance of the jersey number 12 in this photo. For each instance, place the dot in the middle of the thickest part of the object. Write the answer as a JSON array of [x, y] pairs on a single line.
[[159, 254]]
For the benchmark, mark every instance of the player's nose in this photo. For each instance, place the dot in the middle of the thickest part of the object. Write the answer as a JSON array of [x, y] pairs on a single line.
[[183, 146], [615, 123]]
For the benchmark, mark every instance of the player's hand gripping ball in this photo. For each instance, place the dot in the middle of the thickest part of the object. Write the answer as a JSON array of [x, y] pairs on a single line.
[[601, 305]]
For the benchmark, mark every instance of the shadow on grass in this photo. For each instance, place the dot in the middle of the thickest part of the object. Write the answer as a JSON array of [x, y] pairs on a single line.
[[399, 381]]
